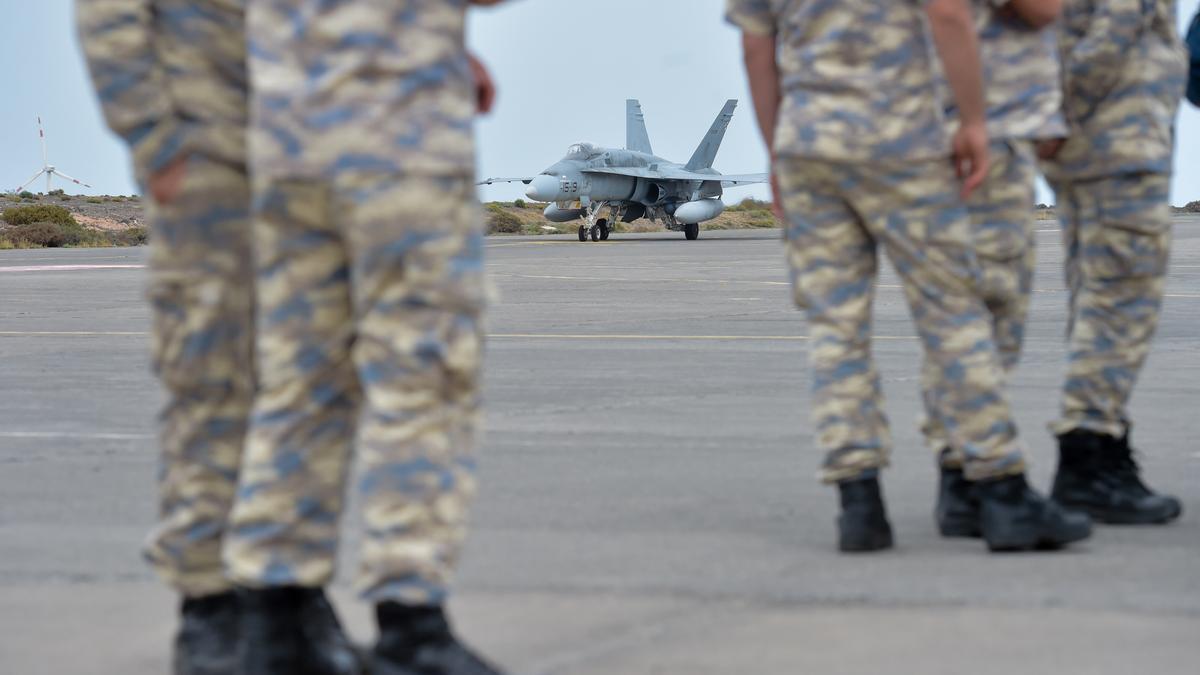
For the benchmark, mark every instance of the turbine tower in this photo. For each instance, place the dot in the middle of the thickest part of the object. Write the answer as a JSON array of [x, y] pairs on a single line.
[[47, 168]]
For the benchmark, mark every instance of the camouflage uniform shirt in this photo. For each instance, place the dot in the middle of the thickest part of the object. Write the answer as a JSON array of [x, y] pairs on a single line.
[[337, 89], [1021, 69], [1124, 73], [170, 75], [857, 78]]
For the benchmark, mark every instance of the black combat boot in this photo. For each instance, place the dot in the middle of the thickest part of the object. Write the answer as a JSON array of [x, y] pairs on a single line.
[[957, 512], [1097, 474], [208, 633], [417, 640], [1012, 517], [293, 631], [863, 523]]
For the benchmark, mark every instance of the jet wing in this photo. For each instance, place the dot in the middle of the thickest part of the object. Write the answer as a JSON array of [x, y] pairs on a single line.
[[682, 174], [490, 181]]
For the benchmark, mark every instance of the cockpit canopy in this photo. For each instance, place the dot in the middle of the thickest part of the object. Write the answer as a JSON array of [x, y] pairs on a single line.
[[583, 151]]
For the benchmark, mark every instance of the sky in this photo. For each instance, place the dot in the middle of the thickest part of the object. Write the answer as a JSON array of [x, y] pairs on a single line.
[[564, 69]]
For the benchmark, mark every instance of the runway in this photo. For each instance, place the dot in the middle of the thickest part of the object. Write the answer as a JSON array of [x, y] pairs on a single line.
[[649, 501]]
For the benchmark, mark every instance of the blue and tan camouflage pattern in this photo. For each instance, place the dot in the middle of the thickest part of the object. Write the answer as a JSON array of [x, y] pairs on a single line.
[[202, 303], [171, 78], [1003, 227], [1117, 237], [371, 291], [1022, 73], [839, 215], [170, 74], [344, 86], [858, 79], [1124, 76]]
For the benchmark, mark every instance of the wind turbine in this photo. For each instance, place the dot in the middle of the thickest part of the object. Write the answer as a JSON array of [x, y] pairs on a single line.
[[47, 168]]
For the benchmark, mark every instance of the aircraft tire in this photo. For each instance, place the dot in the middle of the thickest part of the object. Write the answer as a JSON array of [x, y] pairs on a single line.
[[583, 233], [691, 231], [602, 224], [595, 233]]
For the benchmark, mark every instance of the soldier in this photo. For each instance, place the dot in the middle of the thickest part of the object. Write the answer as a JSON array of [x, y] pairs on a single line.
[[1124, 72], [1024, 104], [845, 96], [171, 77], [370, 291]]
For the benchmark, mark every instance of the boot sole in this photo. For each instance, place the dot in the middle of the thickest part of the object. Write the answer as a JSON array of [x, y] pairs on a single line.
[[877, 542], [1037, 543], [1115, 517]]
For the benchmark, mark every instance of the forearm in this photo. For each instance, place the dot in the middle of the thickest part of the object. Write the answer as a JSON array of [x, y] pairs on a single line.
[[762, 71], [117, 37], [957, 45]]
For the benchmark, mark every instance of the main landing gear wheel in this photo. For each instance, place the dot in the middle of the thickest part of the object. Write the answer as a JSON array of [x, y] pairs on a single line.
[[582, 233], [691, 231], [602, 226]]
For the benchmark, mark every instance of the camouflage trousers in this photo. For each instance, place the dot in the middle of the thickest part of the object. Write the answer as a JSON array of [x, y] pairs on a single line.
[[371, 293], [1117, 238], [1004, 232], [838, 216], [201, 298]]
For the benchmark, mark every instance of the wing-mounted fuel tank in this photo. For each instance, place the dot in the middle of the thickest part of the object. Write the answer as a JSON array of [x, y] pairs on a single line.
[[699, 211]]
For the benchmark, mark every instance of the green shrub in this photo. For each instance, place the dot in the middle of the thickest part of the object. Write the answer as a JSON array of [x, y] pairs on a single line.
[[95, 200], [27, 195], [134, 236], [57, 192], [519, 204], [503, 222], [64, 198], [22, 215]]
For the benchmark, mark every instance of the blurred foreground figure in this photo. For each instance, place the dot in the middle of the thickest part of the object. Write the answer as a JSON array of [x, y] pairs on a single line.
[[370, 289], [846, 98], [1124, 74], [1024, 104], [171, 77]]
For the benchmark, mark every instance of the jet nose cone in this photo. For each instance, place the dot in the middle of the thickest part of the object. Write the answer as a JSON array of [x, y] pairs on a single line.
[[543, 188]]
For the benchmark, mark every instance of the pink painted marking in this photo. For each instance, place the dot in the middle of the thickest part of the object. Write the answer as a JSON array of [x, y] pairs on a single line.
[[68, 268]]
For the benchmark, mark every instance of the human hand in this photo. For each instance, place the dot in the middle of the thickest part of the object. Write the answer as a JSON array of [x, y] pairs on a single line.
[[971, 161], [485, 88], [166, 183], [1049, 148], [777, 199]]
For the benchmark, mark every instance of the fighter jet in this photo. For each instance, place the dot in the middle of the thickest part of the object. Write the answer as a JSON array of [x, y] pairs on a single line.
[[633, 182]]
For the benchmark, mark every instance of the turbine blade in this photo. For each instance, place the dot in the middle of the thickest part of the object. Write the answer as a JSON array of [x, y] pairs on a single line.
[[42, 138], [73, 180], [30, 181]]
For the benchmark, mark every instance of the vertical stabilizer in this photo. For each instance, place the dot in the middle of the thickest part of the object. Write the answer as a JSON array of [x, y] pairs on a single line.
[[636, 137], [706, 154]]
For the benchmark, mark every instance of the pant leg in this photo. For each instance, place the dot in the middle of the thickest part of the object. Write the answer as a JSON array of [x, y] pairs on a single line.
[[1004, 231], [833, 267], [417, 258], [1117, 234], [201, 300], [915, 212], [284, 526]]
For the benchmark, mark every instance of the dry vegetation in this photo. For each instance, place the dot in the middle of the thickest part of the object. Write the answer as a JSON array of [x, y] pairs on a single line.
[[32, 220]]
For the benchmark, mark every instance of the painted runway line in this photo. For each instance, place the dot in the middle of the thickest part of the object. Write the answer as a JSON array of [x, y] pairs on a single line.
[[68, 268]]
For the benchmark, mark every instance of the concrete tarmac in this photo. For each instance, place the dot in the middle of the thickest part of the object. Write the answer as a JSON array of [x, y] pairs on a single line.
[[649, 501]]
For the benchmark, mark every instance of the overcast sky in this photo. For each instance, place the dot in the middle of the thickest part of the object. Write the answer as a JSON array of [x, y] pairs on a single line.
[[564, 67]]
